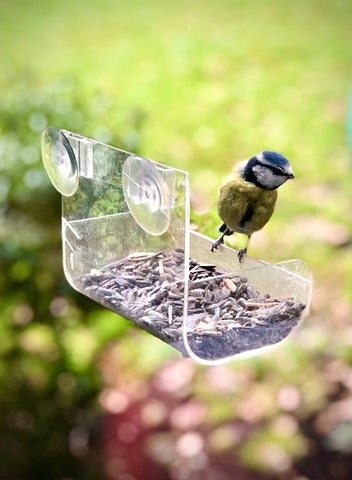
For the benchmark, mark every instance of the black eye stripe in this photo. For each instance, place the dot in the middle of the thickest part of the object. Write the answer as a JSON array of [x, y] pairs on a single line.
[[275, 170]]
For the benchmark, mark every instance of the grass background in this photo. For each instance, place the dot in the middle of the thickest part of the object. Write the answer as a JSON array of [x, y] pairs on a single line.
[[198, 86]]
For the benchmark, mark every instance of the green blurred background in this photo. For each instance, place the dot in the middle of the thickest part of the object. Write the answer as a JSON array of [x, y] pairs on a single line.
[[198, 86]]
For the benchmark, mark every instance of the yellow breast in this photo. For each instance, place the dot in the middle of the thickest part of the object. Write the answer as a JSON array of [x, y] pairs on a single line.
[[243, 206]]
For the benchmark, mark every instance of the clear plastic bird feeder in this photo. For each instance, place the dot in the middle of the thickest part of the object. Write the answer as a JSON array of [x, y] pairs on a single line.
[[127, 244]]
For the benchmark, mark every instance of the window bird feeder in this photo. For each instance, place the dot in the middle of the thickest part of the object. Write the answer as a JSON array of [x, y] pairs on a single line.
[[127, 244]]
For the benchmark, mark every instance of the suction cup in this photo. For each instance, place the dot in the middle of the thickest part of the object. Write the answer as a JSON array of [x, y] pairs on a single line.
[[147, 194], [59, 161]]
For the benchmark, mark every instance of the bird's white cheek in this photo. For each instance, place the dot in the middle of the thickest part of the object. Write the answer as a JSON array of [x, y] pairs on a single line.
[[264, 175], [267, 178]]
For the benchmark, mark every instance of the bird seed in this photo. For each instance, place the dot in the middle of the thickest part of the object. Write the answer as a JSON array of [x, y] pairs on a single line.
[[225, 314]]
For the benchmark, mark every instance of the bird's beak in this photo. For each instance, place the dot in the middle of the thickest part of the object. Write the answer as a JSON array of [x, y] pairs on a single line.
[[290, 176]]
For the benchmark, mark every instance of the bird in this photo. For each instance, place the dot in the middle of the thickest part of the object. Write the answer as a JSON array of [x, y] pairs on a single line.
[[248, 195]]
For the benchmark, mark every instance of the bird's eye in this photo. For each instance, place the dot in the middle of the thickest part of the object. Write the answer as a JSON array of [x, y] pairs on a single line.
[[276, 170]]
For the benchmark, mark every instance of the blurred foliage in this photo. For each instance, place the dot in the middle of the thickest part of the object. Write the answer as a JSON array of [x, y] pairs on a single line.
[[197, 86]]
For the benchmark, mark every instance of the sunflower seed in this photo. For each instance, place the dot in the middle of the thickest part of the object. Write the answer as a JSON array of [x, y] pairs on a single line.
[[223, 309]]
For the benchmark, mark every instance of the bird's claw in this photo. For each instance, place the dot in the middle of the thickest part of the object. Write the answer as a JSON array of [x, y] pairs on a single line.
[[215, 245], [241, 254]]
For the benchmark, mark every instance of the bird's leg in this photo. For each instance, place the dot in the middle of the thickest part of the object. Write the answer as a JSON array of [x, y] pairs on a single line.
[[241, 253], [220, 240]]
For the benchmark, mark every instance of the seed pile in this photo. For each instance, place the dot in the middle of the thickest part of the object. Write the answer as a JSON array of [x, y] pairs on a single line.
[[226, 315]]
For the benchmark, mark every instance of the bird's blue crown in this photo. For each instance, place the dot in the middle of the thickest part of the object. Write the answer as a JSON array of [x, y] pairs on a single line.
[[274, 158]]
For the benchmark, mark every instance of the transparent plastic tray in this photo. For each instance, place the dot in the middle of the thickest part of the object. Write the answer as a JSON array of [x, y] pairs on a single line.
[[128, 245]]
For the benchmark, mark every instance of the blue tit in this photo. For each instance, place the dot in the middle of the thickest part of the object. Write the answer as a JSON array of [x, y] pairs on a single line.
[[247, 197]]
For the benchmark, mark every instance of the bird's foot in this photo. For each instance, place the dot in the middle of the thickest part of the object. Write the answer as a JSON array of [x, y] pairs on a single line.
[[241, 254], [218, 242]]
